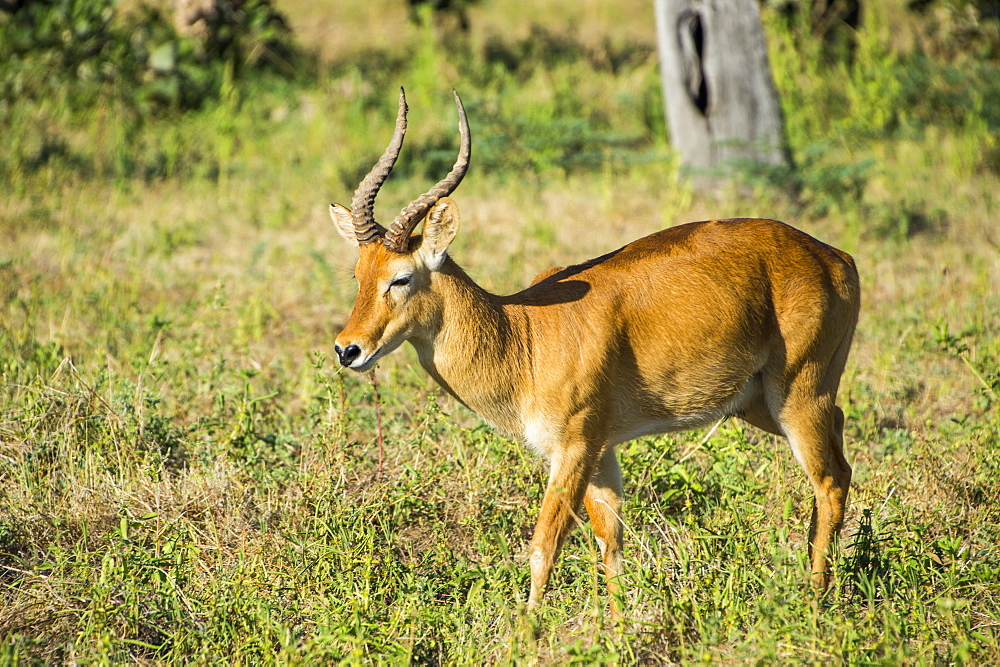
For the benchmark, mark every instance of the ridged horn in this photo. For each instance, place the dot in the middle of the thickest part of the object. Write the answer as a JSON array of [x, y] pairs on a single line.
[[363, 201], [397, 237]]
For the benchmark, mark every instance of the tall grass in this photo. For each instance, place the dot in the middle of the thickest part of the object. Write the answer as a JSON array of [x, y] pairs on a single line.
[[187, 476]]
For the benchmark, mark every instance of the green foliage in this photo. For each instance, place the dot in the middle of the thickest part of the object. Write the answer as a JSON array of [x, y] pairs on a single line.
[[68, 66], [79, 51], [963, 29], [256, 36], [75, 38], [873, 93], [837, 109]]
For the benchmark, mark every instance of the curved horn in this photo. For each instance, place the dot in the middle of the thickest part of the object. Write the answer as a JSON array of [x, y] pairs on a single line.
[[398, 235], [363, 201]]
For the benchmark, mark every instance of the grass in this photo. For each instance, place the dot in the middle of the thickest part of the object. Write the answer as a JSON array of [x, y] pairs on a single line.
[[186, 476]]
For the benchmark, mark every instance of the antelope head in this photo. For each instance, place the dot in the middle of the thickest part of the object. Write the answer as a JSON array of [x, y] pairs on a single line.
[[394, 270]]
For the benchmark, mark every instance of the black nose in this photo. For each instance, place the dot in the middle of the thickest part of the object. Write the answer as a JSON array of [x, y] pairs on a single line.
[[348, 355]]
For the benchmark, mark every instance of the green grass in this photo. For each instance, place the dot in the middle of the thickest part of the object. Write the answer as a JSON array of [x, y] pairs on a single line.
[[184, 475]]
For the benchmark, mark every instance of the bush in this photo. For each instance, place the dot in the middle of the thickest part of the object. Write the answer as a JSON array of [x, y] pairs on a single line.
[[77, 50], [68, 66]]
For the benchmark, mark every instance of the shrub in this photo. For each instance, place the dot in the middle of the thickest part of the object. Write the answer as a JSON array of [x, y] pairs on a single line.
[[77, 50]]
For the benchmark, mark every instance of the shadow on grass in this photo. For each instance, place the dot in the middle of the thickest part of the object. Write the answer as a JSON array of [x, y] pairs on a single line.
[[865, 572]]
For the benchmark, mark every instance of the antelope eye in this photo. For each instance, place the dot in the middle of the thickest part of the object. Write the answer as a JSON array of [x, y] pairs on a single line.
[[401, 281]]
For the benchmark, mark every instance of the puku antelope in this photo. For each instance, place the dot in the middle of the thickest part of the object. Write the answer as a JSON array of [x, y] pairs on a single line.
[[747, 318]]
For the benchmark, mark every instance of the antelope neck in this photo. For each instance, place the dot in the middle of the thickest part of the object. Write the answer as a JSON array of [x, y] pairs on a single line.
[[475, 347]]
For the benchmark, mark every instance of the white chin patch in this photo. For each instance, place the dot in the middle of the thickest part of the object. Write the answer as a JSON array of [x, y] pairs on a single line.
[[386, 349], [366, 365]]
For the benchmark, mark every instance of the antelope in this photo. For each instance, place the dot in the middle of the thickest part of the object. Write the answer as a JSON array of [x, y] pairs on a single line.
[[747, 318]]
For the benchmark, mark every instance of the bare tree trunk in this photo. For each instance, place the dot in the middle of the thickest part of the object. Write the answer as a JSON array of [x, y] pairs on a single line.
[[202, 18], [190, 16], [722, 106]]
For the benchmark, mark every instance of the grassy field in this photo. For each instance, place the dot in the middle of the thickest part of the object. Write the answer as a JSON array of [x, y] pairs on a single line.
[[185, 475]]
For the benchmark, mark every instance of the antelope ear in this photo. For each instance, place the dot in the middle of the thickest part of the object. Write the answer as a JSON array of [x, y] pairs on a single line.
[[440, 229], [341, 216]]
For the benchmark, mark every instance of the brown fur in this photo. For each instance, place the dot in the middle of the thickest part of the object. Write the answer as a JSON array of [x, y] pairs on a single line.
[[546, 273], [748, 318]]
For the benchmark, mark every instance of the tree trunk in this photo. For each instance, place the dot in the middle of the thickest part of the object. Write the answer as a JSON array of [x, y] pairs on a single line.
[[722, 106]]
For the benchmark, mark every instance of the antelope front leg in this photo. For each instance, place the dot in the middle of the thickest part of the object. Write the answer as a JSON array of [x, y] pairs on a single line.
[[603, 500], [568, 479]]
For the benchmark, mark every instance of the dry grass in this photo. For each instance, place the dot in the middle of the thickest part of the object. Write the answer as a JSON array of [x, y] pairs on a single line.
[[341, 30]]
